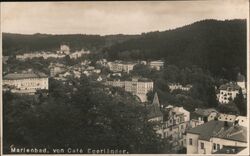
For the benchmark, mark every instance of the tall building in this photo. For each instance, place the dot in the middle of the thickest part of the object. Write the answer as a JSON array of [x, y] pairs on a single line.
[[215, 135], [137, 86], [171, 122], [26, 82]]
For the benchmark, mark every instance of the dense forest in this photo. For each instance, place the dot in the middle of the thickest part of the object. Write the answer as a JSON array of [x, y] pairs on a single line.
[[20, 43], [219, 46], [84, 114]]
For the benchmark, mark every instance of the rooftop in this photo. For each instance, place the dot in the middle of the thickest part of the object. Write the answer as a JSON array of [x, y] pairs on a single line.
[[26, 75], [229, 86], [204, 112], [218, 129]]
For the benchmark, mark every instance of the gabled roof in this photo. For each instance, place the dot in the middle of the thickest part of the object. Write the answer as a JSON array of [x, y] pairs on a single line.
[[218, 129]]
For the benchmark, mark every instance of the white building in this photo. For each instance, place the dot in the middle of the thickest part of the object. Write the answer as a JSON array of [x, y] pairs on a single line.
[[26, 82], [228, 92], [214, 135], [242, 120], [64, 49], [159, 64], [137, 86], [42, 54], [177, 86], [120, 66], [78, 54]]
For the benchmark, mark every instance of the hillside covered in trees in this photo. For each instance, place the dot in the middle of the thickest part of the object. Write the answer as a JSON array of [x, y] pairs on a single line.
[[20, 43], [218, 46]]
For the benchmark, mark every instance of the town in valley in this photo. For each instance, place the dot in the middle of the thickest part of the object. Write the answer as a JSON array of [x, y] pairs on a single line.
[[179, 91]]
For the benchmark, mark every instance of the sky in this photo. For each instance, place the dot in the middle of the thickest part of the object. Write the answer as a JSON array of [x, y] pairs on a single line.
[[111, 17]]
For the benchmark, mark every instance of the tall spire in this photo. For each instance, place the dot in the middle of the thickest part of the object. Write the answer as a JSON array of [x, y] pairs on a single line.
[[156, 100]]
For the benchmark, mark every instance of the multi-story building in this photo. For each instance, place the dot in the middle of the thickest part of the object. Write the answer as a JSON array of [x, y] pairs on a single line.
[[228, 92], [177, 86], [120, 66], [137, 86], [159, 64], [172, 122], [26, 82], [212, 136]]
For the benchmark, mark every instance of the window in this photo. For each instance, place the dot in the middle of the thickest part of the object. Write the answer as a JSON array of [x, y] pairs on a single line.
[[202, 145], [214, 146], [218, 146], [190, 141]]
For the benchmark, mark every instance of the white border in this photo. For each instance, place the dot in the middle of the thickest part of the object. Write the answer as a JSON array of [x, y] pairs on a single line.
[[248, 103]]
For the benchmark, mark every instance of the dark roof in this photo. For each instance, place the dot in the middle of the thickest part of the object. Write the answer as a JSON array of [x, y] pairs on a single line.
[[204, 112], [16, 76], [229, 86], [217, 129], [229, 150], [154, 108]]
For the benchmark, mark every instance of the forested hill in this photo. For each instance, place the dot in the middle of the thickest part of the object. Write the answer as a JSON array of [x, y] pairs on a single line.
[[20, 43], [219, 46]]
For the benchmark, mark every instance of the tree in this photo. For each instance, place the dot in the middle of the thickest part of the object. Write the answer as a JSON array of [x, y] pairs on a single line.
[[89, 116], [150, 95], [142, 70], [241, 103]]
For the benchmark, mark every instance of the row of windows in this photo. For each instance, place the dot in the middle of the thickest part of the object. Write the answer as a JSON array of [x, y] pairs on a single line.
[[215, 146]]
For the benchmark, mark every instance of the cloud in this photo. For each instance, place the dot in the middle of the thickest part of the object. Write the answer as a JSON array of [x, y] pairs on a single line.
[[113, 17]]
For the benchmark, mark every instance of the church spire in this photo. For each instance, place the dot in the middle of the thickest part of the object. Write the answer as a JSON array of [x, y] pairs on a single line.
[[156, 100]]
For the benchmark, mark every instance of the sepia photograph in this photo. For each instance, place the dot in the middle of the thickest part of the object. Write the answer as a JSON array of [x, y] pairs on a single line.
[[125, 77]]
